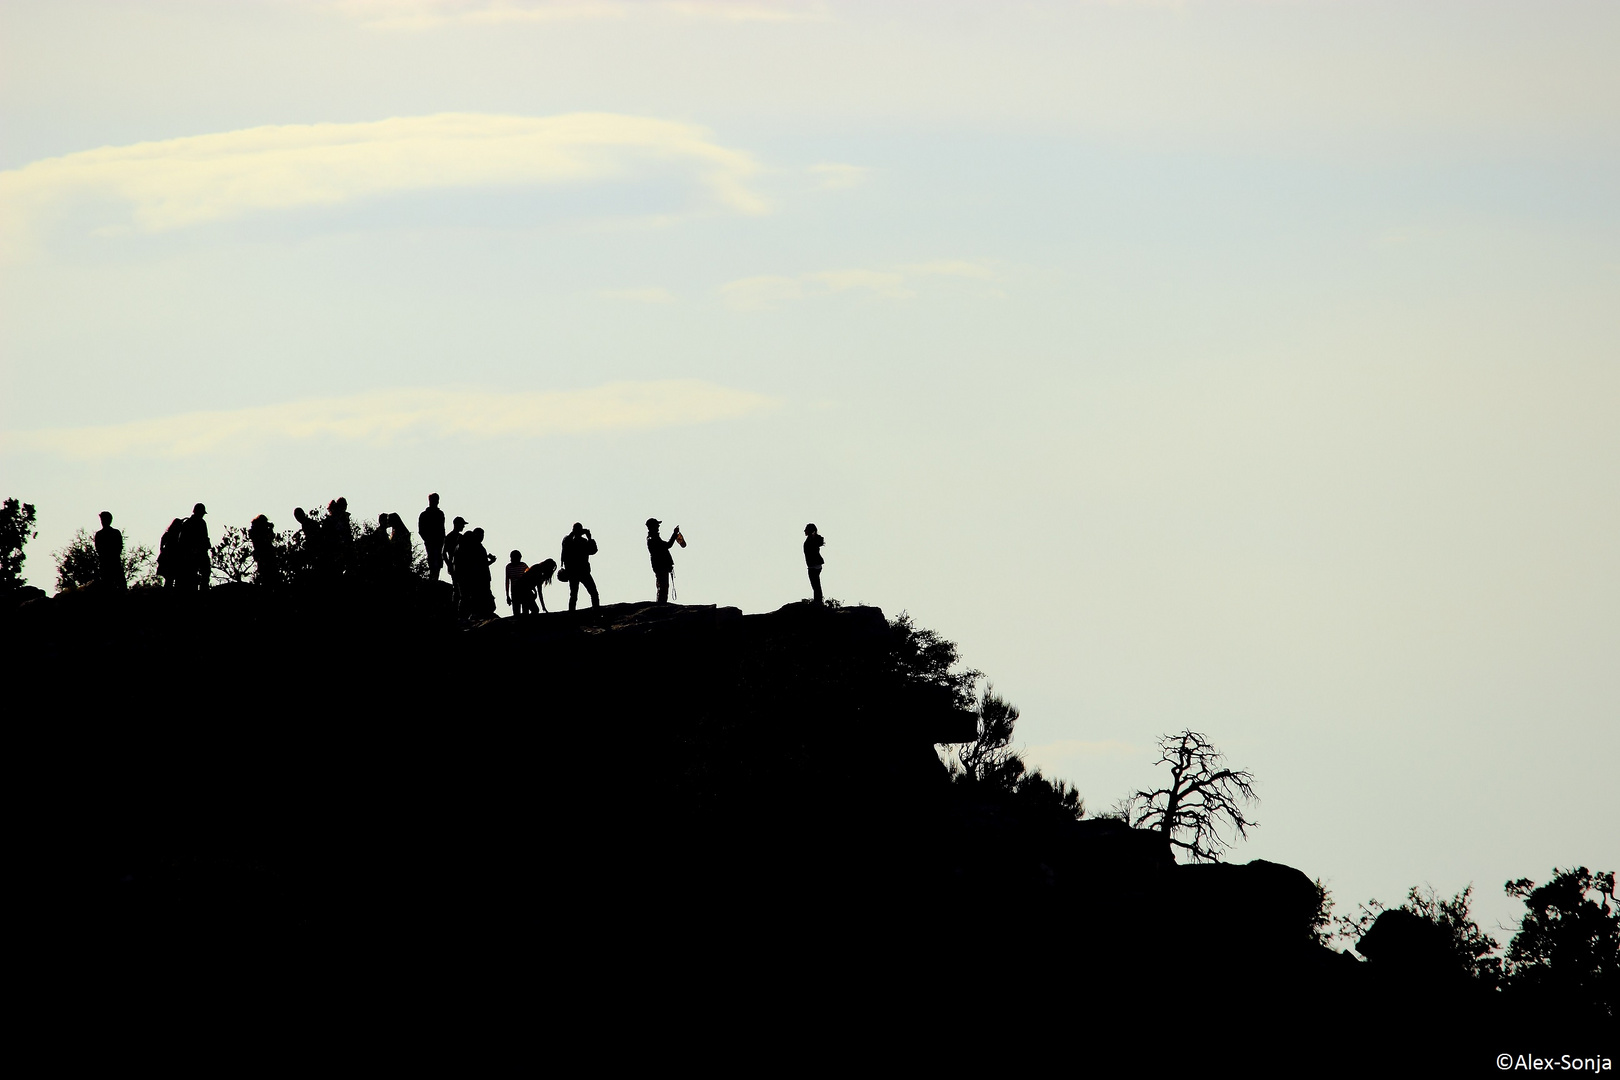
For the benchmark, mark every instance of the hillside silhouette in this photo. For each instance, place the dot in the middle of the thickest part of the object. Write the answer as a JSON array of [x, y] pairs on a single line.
[[271, 789]]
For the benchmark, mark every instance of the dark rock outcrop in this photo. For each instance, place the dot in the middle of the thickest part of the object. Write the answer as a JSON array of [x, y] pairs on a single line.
[[287, 789]]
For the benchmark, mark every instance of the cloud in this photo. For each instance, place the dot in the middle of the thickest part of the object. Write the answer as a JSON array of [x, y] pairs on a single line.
[[386, 416], [769, 290], [1048, 754], [754, 293], [834, 175], [1081, 748], [175, 183], [638, 296], [877, 282], [428, 14], [952, 268], [735, 11]]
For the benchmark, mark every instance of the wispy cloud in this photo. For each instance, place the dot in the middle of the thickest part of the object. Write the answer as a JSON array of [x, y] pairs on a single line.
[[741, 11], [638, 296], [773, 290], [171, 184], [835, 175], [427, 14], [951, 268], [386, 416], [877, 282], [1048, 754]]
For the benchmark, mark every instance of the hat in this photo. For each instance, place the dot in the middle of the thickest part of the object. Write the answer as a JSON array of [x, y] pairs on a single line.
[[459, 521], [653, 523]]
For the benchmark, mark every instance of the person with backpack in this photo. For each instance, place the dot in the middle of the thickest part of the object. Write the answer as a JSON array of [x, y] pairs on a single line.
[[171, 556], [577, 549]]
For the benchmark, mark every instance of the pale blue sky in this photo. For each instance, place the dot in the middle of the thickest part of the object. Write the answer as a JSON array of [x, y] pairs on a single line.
[[1244, 366]]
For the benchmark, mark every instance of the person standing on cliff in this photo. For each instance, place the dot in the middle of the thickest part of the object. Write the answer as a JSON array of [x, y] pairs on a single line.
[[195, 548], [577, 549], [109, 555], [452, 544], [430, 527], [262, 535], [663, 564], [399, 544], [519, 586], [171, 556], [337, 536], [473, 577], [813, 560]]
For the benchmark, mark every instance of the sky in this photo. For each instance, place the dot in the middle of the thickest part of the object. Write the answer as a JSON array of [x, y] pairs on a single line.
[[1248, 366]]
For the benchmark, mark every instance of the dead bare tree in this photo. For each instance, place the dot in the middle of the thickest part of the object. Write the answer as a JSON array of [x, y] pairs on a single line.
[[1202, 796]]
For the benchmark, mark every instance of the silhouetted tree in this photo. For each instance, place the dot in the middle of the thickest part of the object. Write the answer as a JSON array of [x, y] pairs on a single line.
[[990, 758], [231, 559], [1568, 944], [1038, 797], [16, 529], [1202, 796], [924, 657], [990, 762], [1322, 920], [77, 563], [1469, 947]]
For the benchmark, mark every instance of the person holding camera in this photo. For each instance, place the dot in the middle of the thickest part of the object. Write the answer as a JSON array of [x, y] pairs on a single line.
[[577, 549], [663, 563]]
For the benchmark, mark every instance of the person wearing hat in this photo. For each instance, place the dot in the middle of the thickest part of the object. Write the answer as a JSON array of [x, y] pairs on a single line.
[[195, 547], [663, 563], [813, 560]]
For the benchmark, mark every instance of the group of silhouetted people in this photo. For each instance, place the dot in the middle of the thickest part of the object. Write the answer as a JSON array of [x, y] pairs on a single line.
[[328, 541], [184, 551]]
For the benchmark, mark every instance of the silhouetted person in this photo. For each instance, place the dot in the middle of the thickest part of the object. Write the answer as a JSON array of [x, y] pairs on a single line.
[[399, 543], [813, 560], [374, 553], [171, 554], [109, 554], [538, 576], [309, 527], [196, 547], [452, 544], [519, 586], [472, 576], [663, 564], [577, 549], [430, 527], [313, 543], [262, 535], [336, 534]]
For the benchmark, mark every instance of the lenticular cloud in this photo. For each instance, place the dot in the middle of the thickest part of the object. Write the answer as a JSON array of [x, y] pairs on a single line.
[[158, 186], [421, 413]]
